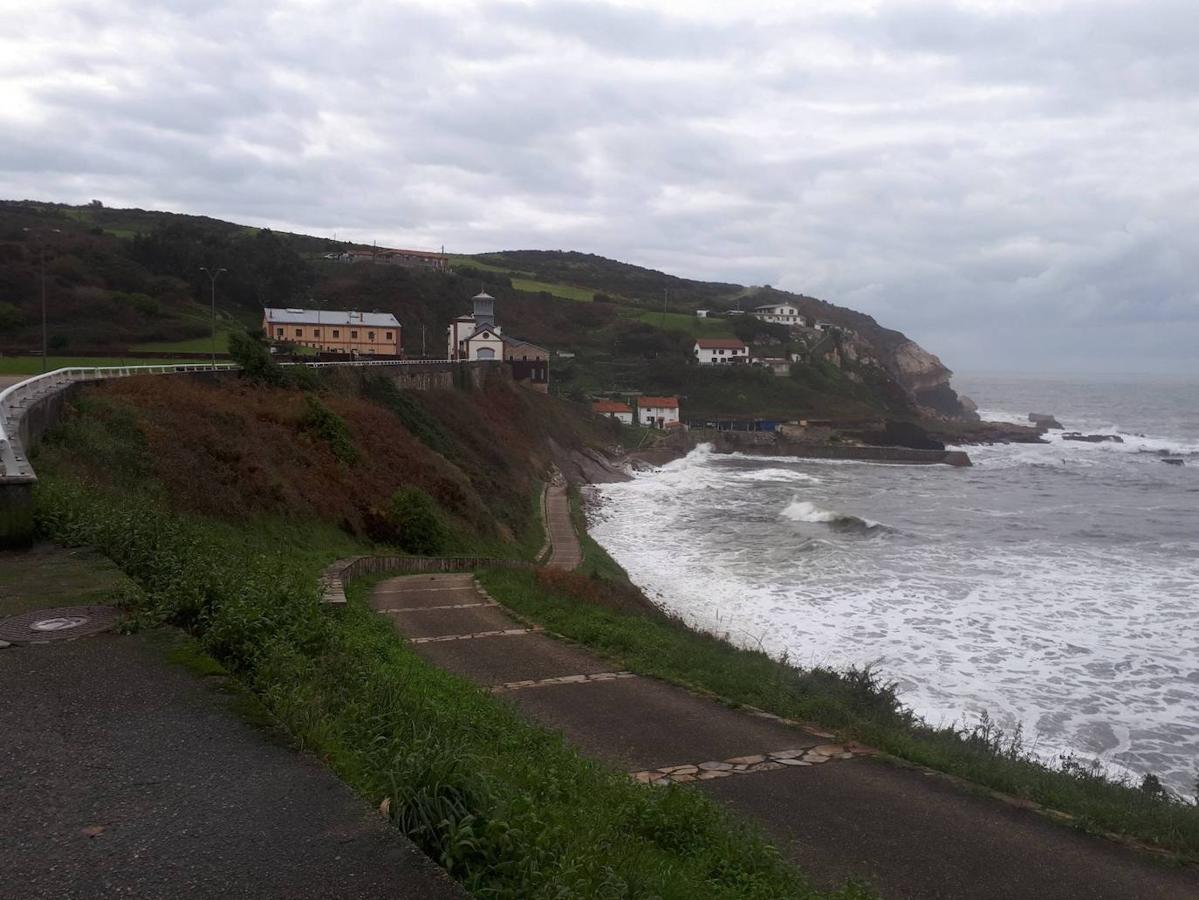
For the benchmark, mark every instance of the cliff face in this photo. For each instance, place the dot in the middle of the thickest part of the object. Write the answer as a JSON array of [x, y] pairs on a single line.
[[926, 379]]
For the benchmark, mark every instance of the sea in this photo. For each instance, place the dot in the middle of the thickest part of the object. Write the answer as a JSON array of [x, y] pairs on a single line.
[[1052, 586]]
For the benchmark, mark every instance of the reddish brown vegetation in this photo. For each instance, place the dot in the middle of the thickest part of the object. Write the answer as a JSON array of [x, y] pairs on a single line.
[[234, 449], [599, 591]]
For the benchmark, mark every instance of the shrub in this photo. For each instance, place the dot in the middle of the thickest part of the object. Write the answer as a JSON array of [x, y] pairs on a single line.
[[251, 352], [329, 427], [417, 523]]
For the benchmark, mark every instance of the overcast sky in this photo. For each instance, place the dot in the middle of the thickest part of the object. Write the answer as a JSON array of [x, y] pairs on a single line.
[[1013, 184]]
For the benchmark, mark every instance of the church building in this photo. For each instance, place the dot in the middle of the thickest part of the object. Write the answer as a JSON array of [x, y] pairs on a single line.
[[478, 337]]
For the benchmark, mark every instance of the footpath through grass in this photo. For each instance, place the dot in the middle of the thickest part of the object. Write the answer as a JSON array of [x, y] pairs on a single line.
[[504, 806], [597, 606]]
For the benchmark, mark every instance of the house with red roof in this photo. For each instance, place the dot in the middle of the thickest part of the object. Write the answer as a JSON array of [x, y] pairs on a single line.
[[720, 351], [658, 412], [613, 409]]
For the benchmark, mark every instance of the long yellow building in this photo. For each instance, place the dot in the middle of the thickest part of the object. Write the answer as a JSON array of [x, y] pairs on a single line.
[[334, 331]]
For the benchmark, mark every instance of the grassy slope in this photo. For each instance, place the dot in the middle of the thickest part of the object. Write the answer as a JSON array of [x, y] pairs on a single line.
[[506, 807], [600, 608], [32, 365]]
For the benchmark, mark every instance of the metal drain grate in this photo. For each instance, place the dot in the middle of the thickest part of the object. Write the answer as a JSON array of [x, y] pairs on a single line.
[[64, 623]]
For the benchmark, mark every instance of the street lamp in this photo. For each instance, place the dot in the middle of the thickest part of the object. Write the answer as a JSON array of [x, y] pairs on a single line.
[[212, 277], [42, 260]]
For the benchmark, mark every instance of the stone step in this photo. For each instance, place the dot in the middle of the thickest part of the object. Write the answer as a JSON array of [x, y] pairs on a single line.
[[519, 657], [424, 623], [641, 723]]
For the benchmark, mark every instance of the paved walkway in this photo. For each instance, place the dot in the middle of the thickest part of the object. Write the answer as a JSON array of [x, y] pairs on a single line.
[[831, 808], [565, 553], [125, 775]]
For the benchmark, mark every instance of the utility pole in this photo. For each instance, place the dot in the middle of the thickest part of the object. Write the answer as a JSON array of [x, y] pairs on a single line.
[[42, 266], [422, 342], [212, 277]]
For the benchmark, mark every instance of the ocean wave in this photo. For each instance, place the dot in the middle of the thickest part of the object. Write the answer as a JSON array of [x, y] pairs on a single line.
[[1129, 441], [806, 511], [777, 475]]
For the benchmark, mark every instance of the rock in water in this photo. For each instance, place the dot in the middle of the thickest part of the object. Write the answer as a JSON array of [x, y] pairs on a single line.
[[1044, 420], [1172, 460], [1093, 438]]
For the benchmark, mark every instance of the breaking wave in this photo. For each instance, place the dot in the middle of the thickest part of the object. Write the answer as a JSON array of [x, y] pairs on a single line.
[[806, 511]]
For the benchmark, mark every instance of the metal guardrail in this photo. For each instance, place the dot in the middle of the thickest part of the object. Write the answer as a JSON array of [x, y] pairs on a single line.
[[15, 399]]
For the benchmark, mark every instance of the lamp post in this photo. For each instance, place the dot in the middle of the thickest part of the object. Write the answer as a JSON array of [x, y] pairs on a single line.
[[212, 277], [41, 244]]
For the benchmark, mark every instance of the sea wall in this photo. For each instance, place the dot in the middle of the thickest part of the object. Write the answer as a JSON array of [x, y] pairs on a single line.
[[766, 443]]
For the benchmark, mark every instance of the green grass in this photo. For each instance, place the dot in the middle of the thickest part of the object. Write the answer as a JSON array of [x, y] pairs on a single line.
[[565, 291], [191, 345], [32, 365], [688, 323], [506, 807], [594, 608], [457, 259]]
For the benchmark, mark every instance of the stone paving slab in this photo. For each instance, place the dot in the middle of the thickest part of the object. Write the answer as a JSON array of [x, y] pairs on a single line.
[[519, 657], [424, 591], [641, 724], [918, 836], [125, 776], [423, 623]]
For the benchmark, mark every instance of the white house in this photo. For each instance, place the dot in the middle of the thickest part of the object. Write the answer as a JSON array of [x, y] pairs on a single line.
[[658, 412], [701, 314], [780, 314], [476, 336], [720, 351], [613, 410]]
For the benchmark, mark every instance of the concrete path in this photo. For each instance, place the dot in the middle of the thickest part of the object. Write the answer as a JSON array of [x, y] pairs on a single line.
[[565, 553], [831, 808], [125, 775]]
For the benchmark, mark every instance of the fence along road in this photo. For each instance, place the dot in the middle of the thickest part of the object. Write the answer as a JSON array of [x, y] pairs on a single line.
[[17, 476]]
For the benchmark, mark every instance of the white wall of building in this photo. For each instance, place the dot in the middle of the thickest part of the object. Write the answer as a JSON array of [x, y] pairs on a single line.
[[650, 415], [710, 356]]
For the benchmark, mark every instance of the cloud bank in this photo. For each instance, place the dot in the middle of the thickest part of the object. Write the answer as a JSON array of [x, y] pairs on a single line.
[[1011, 183]]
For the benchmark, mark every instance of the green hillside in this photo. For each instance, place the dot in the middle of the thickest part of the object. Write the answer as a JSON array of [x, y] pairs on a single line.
[[121, 280]]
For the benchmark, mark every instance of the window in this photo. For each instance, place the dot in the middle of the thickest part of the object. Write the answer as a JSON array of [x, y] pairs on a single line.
[[299, 332], [316, 332], [336, 333], [354, 335], [388, 335], [721, 352], [278, 332], [370, 335]]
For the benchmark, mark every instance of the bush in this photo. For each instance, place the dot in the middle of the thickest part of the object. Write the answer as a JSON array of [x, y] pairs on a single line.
[[329, 427], [417, 523], [251, 352]]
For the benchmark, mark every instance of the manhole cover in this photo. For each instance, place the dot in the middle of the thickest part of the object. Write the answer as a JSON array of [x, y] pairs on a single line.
[[57, 624]]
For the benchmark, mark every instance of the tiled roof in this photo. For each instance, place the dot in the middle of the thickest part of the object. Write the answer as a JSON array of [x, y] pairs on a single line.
[[329, 317], [658, 402], [609, 406], [720, 344], [390, 251], [517, 342]]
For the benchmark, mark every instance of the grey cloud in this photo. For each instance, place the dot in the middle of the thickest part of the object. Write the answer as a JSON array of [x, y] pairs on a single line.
[[1011, 189]]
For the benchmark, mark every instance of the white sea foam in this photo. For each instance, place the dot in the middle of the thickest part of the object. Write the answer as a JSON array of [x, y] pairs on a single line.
[[806, 511], [778, 475], [977, 601]]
